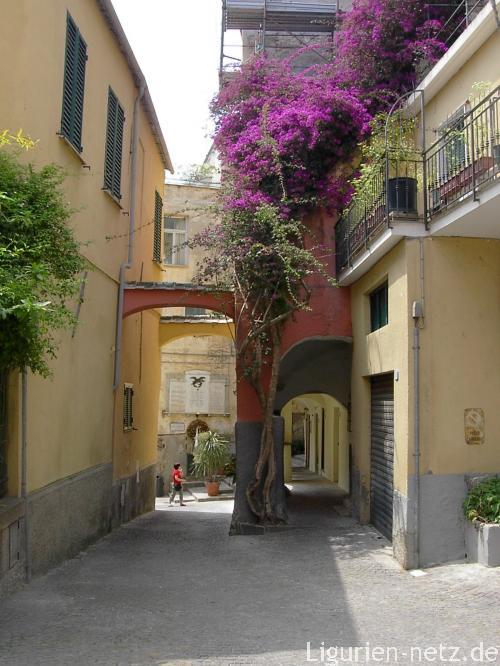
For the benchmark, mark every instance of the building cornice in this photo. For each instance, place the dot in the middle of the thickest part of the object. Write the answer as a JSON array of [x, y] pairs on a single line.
[[115, 26]]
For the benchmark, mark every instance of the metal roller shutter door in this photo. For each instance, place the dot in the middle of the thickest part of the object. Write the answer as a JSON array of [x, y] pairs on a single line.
[[382, 453]]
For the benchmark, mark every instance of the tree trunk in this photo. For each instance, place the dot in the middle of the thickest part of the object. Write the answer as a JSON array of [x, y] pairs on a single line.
[[264, 490], [248, 442]]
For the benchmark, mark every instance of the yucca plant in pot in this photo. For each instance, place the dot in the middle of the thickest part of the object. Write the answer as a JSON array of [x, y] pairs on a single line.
[[210, 455]]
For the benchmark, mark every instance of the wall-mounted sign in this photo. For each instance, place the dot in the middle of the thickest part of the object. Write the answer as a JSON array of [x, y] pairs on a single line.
[[197, 393], [177, 427], [474, 425]]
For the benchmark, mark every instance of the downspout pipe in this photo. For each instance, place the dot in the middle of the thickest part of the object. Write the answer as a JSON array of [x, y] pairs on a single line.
[[417, 314], [125, 265], [24, 472]]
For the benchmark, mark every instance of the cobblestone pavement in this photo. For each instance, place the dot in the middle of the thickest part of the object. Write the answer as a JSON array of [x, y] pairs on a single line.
[[171, 588]]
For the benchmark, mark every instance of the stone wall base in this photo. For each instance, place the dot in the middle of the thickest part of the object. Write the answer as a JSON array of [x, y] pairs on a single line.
[[67, 516], [12, 552]]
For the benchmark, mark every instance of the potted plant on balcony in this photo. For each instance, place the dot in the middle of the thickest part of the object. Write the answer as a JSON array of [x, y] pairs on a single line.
[[210, 455], [390, 153], [482, 531]]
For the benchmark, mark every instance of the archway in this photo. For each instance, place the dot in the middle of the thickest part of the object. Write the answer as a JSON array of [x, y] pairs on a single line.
[[323, 421], [317, 359], [201, 350]]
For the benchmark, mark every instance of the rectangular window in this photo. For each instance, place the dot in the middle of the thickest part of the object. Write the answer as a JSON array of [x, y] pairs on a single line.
[[74, 85], [195, 312], [157, 228], [128, 416], [174, 241], [454, 154], [114, 144], [379, 307]]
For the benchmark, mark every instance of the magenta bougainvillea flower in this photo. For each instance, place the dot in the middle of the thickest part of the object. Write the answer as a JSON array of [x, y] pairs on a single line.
[[288, 138]]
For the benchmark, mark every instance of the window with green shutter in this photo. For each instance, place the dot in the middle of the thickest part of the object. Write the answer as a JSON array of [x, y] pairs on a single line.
[[379, 307], [114, 145], [157, 228], [74, 85]]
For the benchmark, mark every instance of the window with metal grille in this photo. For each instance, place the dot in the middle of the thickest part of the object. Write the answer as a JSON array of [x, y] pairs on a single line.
[[114, 144], [379, 307], [174, 241], [195, 312], [157, 228], [128, 416], [74, 85]]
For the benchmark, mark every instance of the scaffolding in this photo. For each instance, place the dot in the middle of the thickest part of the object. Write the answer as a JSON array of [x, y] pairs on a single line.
[[301, 19]]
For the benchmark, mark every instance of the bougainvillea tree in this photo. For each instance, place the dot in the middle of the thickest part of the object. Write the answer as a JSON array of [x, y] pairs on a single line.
[[287, 142], [381, 45], [260, 255]]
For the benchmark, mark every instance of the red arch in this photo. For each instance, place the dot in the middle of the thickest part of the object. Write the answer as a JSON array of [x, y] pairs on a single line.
[[136, 299]]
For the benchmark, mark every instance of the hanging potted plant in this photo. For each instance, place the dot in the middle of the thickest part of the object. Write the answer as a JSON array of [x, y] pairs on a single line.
[[210, 455]]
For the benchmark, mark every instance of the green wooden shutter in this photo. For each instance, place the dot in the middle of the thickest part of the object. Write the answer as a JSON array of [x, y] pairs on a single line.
[[114, 146], [74, 85], [128, 417], [157, 228], [379, 307]]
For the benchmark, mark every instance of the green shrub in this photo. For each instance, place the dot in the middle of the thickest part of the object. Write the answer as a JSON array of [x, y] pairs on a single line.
[[483, 502], [40, 264]]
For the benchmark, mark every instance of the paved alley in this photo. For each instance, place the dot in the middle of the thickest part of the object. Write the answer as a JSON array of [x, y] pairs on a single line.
[[173, 588]]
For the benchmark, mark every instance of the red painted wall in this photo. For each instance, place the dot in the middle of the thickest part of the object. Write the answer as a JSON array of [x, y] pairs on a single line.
[[329, 314]]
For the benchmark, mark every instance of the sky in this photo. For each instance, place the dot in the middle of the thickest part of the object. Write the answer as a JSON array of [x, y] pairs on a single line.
[[177, 45]]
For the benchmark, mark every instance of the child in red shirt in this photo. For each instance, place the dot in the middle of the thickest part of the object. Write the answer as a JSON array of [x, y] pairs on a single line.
[[177, 480]]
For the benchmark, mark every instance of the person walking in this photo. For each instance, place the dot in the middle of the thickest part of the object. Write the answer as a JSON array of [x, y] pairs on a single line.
[[177, 479]]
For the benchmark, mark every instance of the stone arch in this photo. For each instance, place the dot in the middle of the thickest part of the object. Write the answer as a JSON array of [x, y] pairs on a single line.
[[144, 296], [326, 440], [316, 365]]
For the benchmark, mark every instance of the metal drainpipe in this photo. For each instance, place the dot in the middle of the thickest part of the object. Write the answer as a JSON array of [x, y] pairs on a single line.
[[418, 313], [131, 232], [416, 434], [418, 317], [24, 470]]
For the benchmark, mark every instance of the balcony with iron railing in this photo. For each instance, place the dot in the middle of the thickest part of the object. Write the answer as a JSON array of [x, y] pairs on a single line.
[[424, 194], [388, 199], [465, 158]]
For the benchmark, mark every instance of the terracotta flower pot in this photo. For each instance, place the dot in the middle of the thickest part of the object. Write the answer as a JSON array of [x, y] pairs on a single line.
[[212, 488]]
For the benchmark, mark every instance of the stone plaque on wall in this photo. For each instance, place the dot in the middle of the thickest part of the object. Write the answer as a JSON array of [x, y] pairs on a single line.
[[217, 400], [197, 392], [177, 427], [177, 396], [474, 425]]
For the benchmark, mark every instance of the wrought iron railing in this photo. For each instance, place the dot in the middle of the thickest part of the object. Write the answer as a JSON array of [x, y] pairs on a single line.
[[465, 157], [391, 190], [458, 15]]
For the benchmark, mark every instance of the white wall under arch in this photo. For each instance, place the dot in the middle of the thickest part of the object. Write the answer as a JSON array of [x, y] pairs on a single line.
[[335, 434]]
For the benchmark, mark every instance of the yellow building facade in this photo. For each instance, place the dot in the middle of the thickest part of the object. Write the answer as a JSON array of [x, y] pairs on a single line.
[[425, 385], [71, 81], [195, 344]]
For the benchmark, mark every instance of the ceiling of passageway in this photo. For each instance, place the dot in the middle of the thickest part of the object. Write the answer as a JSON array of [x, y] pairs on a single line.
[[319, 365]]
